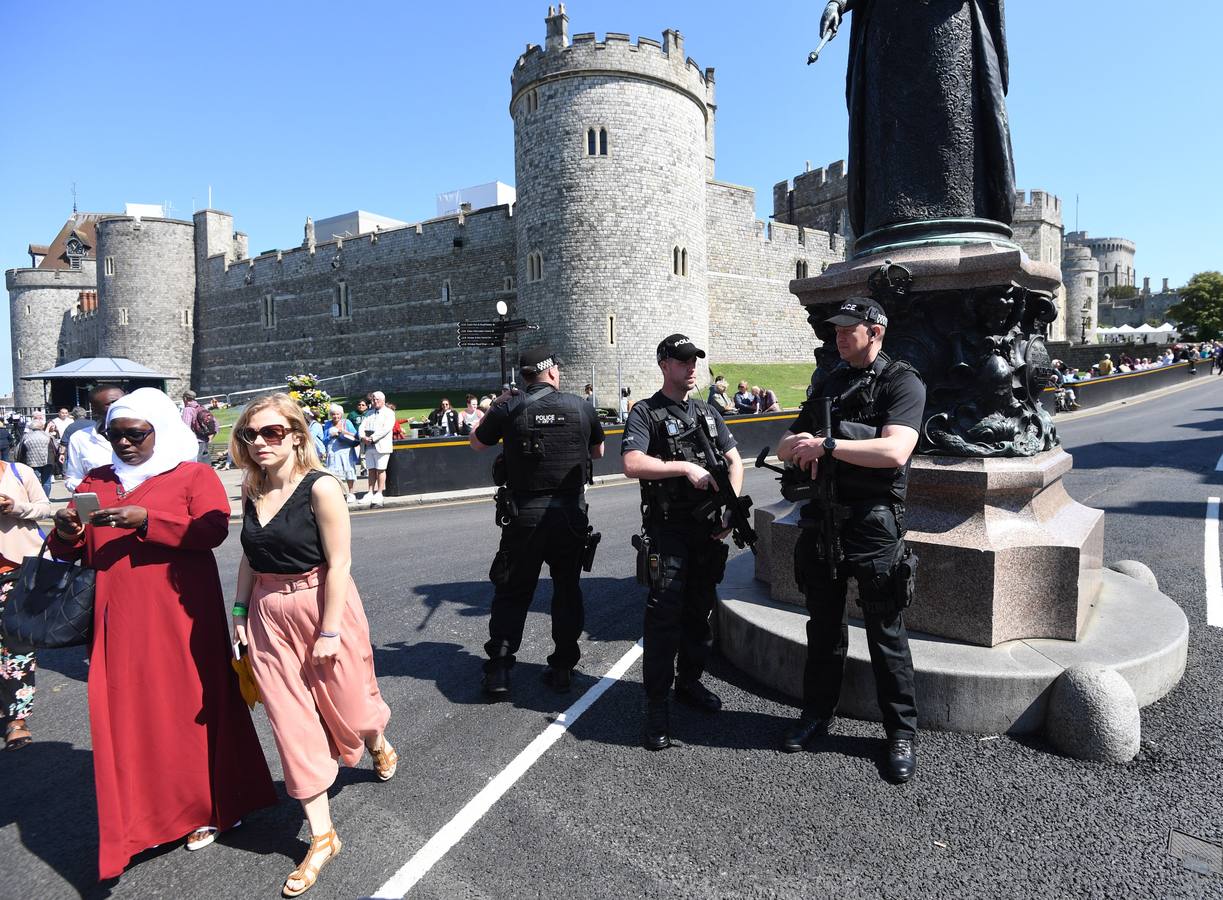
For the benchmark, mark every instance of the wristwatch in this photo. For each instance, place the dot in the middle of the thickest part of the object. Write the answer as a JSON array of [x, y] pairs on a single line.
[[830, 444]]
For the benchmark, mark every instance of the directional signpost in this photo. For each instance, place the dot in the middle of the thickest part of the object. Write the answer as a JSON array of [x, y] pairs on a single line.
[[493, 334]]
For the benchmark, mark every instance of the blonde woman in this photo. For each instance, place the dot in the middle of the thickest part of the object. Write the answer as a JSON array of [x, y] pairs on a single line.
[[298, 611]]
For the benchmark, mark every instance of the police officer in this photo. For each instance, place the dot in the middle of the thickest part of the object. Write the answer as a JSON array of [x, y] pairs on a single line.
[[550, 439], [681, 553], [877, 416]]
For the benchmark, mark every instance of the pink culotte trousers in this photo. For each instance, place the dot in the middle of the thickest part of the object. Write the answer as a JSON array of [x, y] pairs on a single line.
[[319, 713]]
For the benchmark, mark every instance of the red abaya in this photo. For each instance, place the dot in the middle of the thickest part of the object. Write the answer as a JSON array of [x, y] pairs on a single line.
[[174, 748]]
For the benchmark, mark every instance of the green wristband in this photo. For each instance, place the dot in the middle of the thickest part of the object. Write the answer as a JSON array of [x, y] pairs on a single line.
[[239, 611]]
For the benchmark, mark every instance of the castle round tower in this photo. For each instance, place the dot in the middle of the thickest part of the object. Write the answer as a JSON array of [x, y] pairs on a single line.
[[1115, 256], [146, 294], [1081, 278], [613, 142], [39, 302]]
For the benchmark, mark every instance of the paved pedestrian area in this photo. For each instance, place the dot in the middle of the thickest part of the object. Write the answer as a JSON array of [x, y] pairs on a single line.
[[726, 814]]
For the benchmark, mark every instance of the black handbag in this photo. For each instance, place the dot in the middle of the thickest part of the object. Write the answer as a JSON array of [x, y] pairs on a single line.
[[50, 604]]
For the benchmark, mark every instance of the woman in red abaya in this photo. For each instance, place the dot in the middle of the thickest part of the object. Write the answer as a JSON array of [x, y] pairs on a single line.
[[174, 749]]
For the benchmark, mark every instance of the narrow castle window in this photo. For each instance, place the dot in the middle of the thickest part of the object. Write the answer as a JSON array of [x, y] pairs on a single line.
[[269, 311], [27, 309], [591, 142], [603, 142], [340, 308], [683, 262], [110, 265], [507, 283], [122, 315], [800, 269], [186, 318], [532, 101], [446, 291], [19, 353], [675, 260], [611, 330], [535, 266]]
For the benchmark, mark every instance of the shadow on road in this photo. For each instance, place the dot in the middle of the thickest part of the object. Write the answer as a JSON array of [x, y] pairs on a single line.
[[70, 662], [1190, 455]]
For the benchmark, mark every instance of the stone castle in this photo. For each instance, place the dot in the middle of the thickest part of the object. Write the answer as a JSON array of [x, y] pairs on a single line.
[[621, 234]]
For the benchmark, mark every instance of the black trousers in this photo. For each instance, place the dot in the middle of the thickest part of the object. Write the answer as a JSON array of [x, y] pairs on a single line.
[[681, 599], [872, 546], [556, 537]]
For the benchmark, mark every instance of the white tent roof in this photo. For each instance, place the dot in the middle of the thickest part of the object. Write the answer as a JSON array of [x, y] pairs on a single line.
[[102, 367]]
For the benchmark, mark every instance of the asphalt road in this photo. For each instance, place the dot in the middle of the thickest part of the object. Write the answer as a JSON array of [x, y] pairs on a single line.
[[725, 814]]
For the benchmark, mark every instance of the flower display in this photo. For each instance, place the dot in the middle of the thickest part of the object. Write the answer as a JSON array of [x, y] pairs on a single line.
[[305, 390]]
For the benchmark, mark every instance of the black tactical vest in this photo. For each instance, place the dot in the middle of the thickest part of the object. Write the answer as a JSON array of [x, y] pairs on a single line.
[[856, 416], [546, 447], [674, 439]]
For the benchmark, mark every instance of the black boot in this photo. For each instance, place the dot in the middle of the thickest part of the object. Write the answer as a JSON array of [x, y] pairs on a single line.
[[808, 729], [496, 683], [695, 694], [657, 725], [560, 679], [902, 759]]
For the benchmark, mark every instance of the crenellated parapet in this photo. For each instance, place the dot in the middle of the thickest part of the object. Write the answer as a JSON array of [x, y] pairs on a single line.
[[816, 199]]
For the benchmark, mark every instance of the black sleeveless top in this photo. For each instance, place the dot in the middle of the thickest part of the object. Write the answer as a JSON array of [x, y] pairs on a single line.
[[290, 543]]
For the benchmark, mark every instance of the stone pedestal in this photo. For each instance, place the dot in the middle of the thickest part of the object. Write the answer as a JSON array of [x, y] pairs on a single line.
[[1004, 552]]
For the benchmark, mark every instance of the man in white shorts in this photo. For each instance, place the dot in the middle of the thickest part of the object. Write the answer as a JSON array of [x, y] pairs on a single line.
[[375, 432]]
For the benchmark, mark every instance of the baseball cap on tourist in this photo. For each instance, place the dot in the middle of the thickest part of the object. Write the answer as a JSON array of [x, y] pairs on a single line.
[[679, 346], [536, 360], [859, 309]]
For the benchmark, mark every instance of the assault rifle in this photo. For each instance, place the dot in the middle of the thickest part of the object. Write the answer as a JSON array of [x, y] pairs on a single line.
[[725, 497]]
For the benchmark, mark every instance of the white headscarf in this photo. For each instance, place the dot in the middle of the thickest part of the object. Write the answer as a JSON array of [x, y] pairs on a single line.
[[175, 441]]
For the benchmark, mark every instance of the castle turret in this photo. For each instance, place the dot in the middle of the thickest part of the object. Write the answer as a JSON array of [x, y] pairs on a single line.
[[1116, 258], [1081, 281], [146, 294], [612, 149]]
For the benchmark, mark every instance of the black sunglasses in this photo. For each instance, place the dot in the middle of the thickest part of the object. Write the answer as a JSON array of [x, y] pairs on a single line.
[[133, 436], [271, 434]]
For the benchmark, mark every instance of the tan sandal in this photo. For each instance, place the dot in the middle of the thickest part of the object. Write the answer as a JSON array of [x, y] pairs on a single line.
[[17, 735], [386, 760], [307, 873]]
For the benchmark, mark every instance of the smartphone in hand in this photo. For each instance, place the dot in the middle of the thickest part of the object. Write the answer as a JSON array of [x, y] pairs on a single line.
[[86, 505]]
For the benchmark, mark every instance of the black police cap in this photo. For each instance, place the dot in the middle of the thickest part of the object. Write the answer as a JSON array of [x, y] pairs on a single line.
[[679, 346], [859, 309], [536, 360]]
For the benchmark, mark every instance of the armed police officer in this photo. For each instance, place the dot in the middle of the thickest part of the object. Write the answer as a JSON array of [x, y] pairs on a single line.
[[681, 554], [855, 527], [550, 439]]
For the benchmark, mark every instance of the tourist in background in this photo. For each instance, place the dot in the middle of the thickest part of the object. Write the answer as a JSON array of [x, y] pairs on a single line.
[[766, 400], [22, 503], [88, 447], [174, 749], [340, 439], [444, 419], [746, 402], [37, 450], [6, 442], [469, 418], [297, 609], [316, 432], [357, 414], [377, 428], [718, 398]]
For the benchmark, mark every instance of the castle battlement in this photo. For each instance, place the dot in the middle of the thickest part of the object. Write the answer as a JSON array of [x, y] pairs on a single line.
[[1040, 205], [443, 236], [616, 55]]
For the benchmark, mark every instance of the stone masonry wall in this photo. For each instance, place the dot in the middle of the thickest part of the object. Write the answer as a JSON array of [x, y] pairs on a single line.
[[402, 322], [39, 299], [752, 314]]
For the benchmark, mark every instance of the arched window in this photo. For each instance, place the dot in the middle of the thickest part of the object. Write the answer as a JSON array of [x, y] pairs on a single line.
[[603, 142], [532, 103], [535, 266], [683, 259], [675, 260], [591, 142], [446, 291], [800, 269]]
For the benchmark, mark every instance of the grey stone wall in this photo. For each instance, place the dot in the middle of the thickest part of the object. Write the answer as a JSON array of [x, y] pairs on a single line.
[[1115, 255], [401, 325], [1138, 311], [817, 198], [753, 317], [1037, 225], [607, 226], [1081, 282], [146, 308], [39, 300]]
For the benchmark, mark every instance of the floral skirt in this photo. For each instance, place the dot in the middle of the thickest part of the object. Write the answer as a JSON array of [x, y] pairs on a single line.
[[17, 668]]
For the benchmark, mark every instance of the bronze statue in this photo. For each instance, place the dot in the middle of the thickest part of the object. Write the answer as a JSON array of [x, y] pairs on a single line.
[[929, 140]]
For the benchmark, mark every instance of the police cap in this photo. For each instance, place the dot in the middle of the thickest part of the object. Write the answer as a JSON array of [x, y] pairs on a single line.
[[679, 346], [536, 361], [859, 309]]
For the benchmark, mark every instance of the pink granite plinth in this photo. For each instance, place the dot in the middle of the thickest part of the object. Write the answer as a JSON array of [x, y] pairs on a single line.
[[934, 268], [1004, 552]]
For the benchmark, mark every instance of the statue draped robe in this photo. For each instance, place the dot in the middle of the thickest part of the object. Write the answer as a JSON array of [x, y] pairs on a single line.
[[928, 131]]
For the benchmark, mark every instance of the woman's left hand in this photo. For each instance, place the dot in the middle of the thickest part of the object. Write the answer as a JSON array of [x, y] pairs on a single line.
[[325, 650], [120, 517]]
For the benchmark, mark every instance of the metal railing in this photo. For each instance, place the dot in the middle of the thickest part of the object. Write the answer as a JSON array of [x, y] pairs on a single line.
[[255, 393]]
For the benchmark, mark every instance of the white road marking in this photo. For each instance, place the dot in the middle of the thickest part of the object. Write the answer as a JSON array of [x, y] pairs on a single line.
[[1214, 573], [454, 830]]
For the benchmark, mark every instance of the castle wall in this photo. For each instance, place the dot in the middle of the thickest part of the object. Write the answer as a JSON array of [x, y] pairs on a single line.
[[401, 323], [752, 314], [1081, 281], [818, 199], [1037, 226], [607, 226], [39, 300], [1115, 255], [146, 307]]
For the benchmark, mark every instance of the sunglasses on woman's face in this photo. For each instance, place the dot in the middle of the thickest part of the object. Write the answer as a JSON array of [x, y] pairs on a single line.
[[271, 434], [133, 436]]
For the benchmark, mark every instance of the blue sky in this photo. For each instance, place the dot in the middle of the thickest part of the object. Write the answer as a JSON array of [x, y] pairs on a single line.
[[309, 108]]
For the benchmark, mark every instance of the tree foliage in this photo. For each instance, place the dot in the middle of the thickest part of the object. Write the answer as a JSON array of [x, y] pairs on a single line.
[[1122, 292], [1201, 306]]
